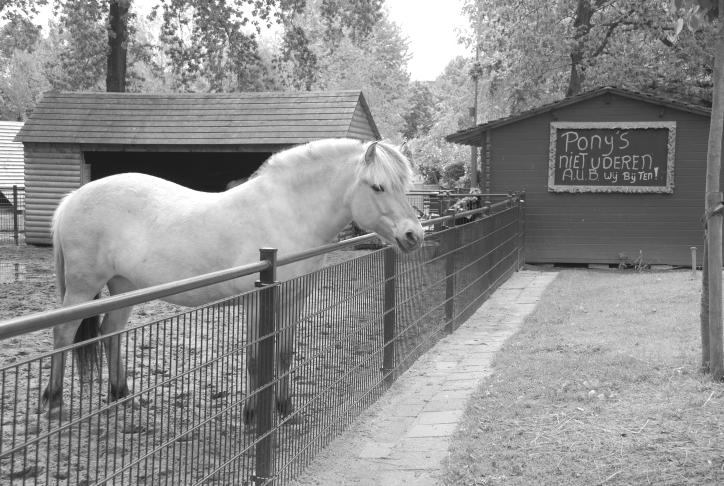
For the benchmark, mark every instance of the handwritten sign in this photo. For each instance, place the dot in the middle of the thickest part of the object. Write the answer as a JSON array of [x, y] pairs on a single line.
[[612, 157]]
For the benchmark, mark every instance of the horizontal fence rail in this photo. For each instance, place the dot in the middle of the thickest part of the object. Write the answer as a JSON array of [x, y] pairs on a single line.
[[12, 213], [248, 390]]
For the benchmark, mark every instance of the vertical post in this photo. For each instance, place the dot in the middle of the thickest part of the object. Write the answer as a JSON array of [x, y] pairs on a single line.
[[390, 305], [265, 401], [452, 247], [693, 261], [16, 208], [704, 314], [714, 233], [521, 241]]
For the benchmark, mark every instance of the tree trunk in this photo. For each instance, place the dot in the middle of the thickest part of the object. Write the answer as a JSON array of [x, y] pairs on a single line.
[[118, 45], [713, 206], [582, 26], [704, 318]]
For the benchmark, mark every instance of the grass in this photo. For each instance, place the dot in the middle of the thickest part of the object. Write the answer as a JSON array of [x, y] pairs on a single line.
[[601, 386]]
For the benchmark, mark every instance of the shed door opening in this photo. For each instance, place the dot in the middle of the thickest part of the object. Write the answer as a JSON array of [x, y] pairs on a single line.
[[203, 171]]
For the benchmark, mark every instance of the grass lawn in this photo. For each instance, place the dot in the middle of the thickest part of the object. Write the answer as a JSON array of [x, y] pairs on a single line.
[[600, 386]]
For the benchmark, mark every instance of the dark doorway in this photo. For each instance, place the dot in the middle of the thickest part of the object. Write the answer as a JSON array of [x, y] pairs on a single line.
[[203, 171]]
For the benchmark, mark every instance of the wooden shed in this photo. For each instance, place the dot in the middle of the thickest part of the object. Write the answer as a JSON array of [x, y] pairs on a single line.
[[611, 176], [11, 159], [202, 141]]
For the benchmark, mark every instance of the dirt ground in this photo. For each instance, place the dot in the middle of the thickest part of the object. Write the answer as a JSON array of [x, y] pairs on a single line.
[[27, 285]]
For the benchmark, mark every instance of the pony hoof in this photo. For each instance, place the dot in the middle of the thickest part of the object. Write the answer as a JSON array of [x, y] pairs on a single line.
[[285, 407], [58, 413]]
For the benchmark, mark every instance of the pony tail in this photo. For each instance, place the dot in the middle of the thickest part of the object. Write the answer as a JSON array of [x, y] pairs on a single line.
[[58, 247], [88, 356]]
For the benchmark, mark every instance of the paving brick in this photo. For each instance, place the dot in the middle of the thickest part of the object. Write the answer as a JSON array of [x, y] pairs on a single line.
[[446, 417], [432, 430]]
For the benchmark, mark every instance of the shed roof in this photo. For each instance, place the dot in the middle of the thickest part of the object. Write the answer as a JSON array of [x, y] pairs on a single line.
[[251, 118], [471, 136]]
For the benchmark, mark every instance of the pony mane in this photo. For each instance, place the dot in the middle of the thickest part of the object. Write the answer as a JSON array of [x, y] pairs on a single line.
[[388, 168]]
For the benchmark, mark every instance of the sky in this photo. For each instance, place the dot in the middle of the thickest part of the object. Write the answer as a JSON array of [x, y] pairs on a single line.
[[431, 27]]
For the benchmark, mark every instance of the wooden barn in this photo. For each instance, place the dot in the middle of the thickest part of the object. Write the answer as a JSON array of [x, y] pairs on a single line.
[[11, 160], [611, 176], [203, 141]]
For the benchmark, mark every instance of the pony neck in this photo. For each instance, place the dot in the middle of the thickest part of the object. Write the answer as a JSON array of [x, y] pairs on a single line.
[[312, 193]]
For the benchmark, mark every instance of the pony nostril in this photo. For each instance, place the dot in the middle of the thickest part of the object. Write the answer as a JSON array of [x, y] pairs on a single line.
[[411, 236]]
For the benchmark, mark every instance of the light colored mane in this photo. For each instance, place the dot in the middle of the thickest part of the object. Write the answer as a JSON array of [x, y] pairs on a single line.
[[389, 169]]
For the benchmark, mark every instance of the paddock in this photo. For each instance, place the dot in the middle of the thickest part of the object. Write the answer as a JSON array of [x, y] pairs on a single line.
[[367, 319]]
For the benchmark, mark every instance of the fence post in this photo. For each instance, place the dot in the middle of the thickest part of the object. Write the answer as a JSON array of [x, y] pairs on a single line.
[[390, 305], [450, 277], [264, 460], [16, 229], [521, 229]]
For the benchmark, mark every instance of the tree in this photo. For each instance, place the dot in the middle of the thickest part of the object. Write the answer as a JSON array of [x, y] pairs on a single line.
[[430, 153], [420, 117], [118, 11], [83, 55], [207, 43], [697, 13], [535, 52], [18, 33]]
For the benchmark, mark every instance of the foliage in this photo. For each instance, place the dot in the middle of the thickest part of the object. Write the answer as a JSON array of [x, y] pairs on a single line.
[[377, 65], [535, 52], [22, 84], [208, 44], [82, 58], [449, 107], [420, 118], [18, 33]]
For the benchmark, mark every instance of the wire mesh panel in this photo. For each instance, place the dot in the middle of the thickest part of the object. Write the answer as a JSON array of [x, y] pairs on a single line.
[[248, 390], [12, 210], [182, 423]]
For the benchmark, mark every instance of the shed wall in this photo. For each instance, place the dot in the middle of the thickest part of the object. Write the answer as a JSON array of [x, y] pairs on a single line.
[[11, 155], [51, 172], [604, 227]]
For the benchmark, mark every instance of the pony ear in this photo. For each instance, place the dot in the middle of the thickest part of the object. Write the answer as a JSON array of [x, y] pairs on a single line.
[[370, 152]]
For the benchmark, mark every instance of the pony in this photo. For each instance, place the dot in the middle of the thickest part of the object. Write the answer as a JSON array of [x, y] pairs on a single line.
[[130, 231]]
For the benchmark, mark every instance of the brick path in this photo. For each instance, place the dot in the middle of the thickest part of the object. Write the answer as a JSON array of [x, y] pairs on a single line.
[[404, 437]]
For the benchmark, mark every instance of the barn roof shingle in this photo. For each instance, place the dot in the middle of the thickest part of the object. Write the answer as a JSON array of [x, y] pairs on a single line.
[[250, 118]]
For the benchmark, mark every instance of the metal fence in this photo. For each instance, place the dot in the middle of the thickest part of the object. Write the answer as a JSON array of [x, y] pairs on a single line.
[[12, 211], [353, 328]]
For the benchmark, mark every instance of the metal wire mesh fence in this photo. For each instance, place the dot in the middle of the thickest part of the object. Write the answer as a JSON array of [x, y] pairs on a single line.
[[12, 210], [248, 390]]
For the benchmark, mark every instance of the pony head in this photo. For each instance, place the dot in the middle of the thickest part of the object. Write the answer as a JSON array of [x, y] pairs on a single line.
[[378, 198]]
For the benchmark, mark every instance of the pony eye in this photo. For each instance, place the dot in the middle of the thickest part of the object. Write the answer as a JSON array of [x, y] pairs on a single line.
[[378, 188]]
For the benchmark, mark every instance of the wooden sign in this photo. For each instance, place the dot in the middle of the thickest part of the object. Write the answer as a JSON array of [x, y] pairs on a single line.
[[612, 157]]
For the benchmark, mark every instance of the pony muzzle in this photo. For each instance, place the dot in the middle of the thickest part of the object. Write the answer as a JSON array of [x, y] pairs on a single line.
[[411, 238]]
